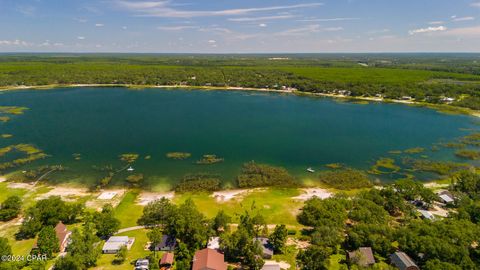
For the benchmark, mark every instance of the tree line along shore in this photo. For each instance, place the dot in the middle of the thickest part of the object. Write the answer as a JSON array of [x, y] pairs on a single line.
[[395, 78]]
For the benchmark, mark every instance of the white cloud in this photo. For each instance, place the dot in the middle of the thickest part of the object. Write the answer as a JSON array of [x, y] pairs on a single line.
[[256, 19], [309, 29], [462, 19], [15, 42], [427, 30], [211, 41], [329, 20], [80, 38], [300, 30], [263, 25], [477, 4], [333, 29], [124, 27], [436, 22], [99, 25], [165, 9], [176, 28]]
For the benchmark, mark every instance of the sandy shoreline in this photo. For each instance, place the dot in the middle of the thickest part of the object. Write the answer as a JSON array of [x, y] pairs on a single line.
[[287, 91]]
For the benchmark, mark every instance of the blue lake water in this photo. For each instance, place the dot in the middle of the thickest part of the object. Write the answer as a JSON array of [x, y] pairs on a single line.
[[286, 130]]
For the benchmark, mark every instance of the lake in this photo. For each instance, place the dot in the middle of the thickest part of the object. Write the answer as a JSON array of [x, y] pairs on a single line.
[[296, 132]]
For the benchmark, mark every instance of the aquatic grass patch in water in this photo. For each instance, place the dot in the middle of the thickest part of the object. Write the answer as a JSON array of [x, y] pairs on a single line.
[[468, 154], [345, 179], [178, 155], [384, 166]]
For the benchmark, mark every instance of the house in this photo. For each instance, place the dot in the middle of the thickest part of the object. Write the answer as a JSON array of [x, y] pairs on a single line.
[[168, 244], [271, 266], [115, 243], [267, 249], [142, 264], [208, 259], [402, 261], [214, 243], [63, 236], [167, 261], [426, 214], [362, 257]]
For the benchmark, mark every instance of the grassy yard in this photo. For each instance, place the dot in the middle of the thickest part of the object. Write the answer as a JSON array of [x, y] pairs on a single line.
[[136, 252], [128, 211], [276, 205]]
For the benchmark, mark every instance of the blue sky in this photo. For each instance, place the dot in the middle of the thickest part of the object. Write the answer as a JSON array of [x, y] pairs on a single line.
[[239, 26]]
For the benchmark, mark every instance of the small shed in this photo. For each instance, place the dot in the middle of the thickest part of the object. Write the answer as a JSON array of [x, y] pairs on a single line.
[[402, 261], [168, 244], [426, 214], [167, 260], [362, 256]]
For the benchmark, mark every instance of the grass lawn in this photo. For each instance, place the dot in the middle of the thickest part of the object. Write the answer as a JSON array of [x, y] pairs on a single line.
[[276, 205], [6, 192], [128, 211], [136, 252]]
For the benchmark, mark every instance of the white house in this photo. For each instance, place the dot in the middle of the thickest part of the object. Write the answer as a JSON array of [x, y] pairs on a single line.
[[115, 243]]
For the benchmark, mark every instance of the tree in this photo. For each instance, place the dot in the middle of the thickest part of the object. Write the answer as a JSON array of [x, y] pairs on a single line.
[[313, 258], [155, 236], [105, 222], [68, 263], [189, 226], [469, 183], [10, 208], [121, 255], [278, 238], [82, 250], [183, 257], [157, 213], [48, 241], [5, 248], [48, 212], [221, 221]]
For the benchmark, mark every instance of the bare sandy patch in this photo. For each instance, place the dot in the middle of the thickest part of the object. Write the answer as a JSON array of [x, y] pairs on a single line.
[[228, 195], [3, 179], [21, 186], [148, 197], [297, 243], [435, 185], [66, 193], [309, 193]]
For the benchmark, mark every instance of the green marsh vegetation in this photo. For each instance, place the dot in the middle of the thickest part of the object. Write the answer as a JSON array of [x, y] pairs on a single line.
[[209, 159], [201, 182], [345, 179], [29, 152], [6, 136], [178, 155], [263, 175], [129, 158], [415, 150], [468, 154], [385, 166]]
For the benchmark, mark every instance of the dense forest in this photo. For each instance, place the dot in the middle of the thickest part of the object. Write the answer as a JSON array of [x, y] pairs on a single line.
[[424, 77]]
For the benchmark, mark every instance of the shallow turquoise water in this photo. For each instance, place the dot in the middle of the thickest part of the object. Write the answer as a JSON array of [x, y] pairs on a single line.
[[287, 130]]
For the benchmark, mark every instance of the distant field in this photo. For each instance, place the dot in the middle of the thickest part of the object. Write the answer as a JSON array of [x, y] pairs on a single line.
[[374, 75]]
